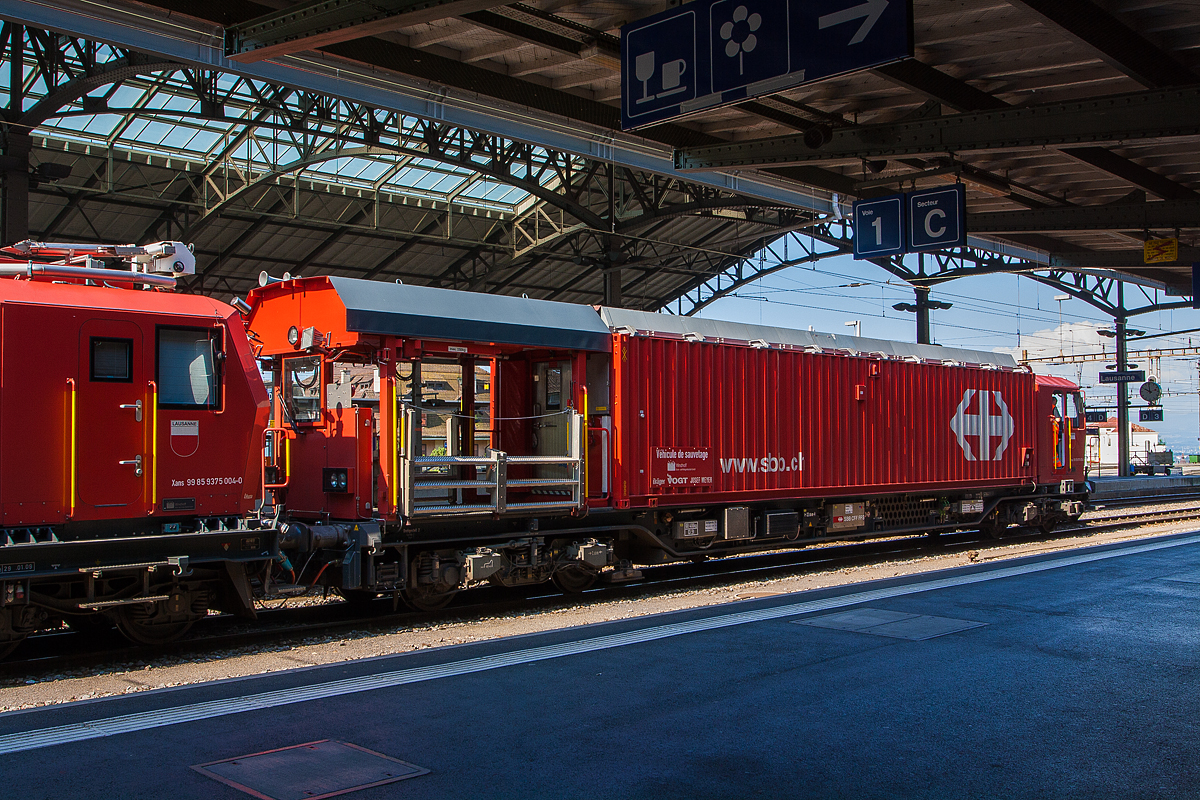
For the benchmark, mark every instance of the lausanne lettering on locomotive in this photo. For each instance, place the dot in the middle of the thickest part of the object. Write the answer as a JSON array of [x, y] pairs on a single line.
[[421, 441]]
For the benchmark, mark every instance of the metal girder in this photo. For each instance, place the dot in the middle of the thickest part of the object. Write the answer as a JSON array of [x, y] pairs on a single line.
[[937, 85], [1167, 215], [962, 96], [530, 33], [835, 235], [1101, 288], [1131, 171], [1116, 43], [302, 118], [323, 22], [552, 32], [1139, 115], [1121, 259], [198, 44]]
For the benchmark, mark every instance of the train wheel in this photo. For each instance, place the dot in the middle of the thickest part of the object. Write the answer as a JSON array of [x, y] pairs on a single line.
[[573, 579], [16, 624], [433, 580], [358, 599], [144, 623], [9, 642], [993, 529], [91, 626], [427, 598]]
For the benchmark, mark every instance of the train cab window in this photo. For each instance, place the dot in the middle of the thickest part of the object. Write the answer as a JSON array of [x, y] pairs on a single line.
[[112, 360], [302, 388], [186, 368], [1063, 423]]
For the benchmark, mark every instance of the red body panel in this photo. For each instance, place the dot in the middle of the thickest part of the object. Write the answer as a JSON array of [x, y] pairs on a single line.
[[56, 466], [746, 424]]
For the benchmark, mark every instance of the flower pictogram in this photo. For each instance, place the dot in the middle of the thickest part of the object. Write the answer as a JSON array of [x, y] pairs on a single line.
[[739, 34]]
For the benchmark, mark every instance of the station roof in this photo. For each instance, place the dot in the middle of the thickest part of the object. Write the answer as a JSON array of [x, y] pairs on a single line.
[[1084, 195], [393, 309]]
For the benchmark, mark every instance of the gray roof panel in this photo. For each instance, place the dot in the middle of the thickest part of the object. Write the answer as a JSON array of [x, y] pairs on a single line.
[[394, 309], [617, 318]]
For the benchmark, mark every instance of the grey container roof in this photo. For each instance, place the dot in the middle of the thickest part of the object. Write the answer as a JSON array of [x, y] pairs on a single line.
[[617, 318], [394, 309]]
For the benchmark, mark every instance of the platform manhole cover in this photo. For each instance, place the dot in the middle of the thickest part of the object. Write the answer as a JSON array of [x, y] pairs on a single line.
[[894, 624], [309, 771]]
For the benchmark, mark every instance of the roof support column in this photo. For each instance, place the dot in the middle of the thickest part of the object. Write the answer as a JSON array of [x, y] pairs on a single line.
[[612, 287], [14, 200], [922, 293], [1122, 389]]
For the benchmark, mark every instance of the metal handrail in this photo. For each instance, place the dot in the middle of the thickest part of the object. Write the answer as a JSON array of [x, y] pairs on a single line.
[[286, 437], [72, 388], [496, 482], [153, 444]]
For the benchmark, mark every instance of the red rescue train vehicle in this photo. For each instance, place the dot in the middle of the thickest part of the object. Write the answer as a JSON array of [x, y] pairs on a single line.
[[145, 481]]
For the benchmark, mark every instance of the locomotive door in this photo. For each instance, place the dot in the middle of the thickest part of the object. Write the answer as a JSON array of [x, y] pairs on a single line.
[[110, 415], [551, 428]]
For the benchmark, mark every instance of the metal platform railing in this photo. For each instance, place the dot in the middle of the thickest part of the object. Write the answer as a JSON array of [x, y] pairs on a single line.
[[425, 492]]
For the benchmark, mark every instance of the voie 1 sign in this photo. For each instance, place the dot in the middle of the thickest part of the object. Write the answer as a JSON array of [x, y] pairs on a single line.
[[879, 227], [710, 53], [681, 467]]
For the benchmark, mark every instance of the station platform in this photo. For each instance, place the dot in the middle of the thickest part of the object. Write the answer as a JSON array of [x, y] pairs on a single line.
[[1144, 486], [1067, 675]]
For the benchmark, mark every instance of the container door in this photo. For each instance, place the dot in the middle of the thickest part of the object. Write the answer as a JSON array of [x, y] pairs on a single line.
[[551, 428], [110, 416]]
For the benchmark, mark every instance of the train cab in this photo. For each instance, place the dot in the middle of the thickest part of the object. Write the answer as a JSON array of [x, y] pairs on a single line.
[[409, 403], [146, 415], [1062, 433]]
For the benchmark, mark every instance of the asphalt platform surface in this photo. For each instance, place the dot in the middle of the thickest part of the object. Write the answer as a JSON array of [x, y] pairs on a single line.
[[1069, 675]]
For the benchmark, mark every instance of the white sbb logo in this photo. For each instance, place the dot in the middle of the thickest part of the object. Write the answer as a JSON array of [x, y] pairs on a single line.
[[987, 425]]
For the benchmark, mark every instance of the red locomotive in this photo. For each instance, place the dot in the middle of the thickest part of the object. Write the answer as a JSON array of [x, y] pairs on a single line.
[[129, 428], [144, 481]]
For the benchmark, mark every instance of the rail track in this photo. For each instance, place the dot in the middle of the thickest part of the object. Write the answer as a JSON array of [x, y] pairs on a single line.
[[67, 650]]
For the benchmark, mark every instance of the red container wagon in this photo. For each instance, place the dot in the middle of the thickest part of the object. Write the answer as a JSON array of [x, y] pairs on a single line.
[[899, 436], [616, 436]]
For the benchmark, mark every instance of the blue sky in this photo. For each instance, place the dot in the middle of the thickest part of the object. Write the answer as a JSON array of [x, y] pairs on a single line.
[[994, 312]]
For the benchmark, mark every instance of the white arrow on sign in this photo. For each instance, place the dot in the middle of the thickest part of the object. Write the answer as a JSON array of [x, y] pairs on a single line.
[[872, 10]]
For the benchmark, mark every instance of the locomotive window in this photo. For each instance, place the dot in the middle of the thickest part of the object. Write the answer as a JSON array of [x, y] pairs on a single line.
[[302, 388], [186, 371], [112, 360]]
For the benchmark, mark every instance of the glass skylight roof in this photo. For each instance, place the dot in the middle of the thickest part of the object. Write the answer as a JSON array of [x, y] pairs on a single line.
[[160, 115]]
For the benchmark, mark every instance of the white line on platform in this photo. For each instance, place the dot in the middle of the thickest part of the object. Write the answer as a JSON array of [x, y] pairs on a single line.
[[146, 720]]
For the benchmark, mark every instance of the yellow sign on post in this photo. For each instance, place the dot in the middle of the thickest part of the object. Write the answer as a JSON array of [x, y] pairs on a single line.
[[1160, 251]]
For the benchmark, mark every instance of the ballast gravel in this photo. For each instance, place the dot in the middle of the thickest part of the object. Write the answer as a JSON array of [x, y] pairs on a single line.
[[31, 691]]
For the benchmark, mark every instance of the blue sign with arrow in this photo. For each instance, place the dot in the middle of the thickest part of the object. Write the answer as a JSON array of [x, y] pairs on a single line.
[[710, 53]]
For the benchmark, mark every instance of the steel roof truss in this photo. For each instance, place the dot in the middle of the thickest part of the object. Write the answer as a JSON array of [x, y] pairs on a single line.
[[1119, 45], [1159, 113], [318, 23]]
